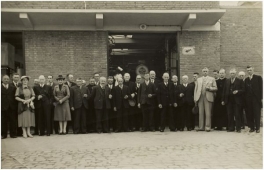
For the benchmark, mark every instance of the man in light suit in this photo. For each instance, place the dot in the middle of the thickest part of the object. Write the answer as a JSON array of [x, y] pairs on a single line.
[[204, 96]]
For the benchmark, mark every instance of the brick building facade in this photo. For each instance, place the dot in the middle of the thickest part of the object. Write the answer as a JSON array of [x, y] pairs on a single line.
[[237, 43]]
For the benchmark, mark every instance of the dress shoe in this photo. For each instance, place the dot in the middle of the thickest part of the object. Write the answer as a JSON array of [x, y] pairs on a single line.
[[41, 134], [153, 130], [83, 132], [230, 130], [48, 134], [161, 130], [64, 133], [25, 135], [60, 133], [143, 130], [29, 135], [238, 131], [99, 132], [208, 130], [3, 137], [13, 136], [251, 130], [199, 130], [117, 131], [257, 131], [181, 129]]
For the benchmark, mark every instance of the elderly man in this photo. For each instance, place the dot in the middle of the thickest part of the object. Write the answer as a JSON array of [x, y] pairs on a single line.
[[90, 118], [146, 101], [175, 111], [138, 116], [186, 103], [8, 108], [233, 89], [36, 82], [121, 94], [164, 101], [241, 75], [220, 112], [204, 97], [43, 100], [254, 99], [101, 95], [132, 109], [112, 114], [79, 104], [155, 81]]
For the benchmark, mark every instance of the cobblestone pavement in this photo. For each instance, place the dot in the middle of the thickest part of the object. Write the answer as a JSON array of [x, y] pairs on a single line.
[[217, 149]]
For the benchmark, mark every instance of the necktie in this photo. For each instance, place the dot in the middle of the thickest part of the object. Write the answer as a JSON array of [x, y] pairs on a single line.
[[15, 84], [6, 86], [138, 85]]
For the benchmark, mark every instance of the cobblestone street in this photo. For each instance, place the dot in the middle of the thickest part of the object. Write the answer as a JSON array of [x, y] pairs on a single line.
[[136, 150]]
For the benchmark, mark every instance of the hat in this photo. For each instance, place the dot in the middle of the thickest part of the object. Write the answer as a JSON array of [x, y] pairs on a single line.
[[132, 102], [60, 77], [249, 66], [22, 77]]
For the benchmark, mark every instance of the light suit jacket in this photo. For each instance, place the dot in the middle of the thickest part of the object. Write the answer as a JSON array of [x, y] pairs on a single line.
[[210, 82]]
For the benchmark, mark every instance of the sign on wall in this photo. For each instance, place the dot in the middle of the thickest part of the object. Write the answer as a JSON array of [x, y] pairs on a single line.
[[188, 50]]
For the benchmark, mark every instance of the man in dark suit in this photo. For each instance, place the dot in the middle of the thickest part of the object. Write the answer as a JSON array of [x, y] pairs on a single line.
[[138, 112], [17, 84], [146, 102], [54, 124], [79, 104], [121, 94], [8, 108], [195, 118], [186, 103], [101, 95], [241, 75], [43, 99], [233, 89], [96, 78], [69, 82], [112, 113], [156, 110], [90, 118], [132, 109], [254, 99], [175, 111], [164, 101]]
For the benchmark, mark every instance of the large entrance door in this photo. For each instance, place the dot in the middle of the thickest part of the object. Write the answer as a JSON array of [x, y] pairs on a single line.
[[137, 52]]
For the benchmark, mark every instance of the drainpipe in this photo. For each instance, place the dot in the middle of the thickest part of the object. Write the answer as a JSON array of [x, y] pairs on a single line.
[[84, 4]]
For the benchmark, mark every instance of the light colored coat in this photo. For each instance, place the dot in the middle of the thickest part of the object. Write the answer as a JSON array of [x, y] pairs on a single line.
[[210, 82]]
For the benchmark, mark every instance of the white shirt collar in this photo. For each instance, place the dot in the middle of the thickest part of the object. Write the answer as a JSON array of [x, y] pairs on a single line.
[[5, 85]]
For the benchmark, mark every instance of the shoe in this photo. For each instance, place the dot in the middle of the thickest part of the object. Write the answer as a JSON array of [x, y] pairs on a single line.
[[83, 132], [257, 131], [24, 135], [99, 132], [238, 131], [64, 133], [230, 130], [243, 127], [48, 134], [208, 130], [189, 129], [153, 130], [161, 130], [3, 137], [199, 130], [60, 133], [29, 135], [251, 130], [34, 134], [13, 136], [117, 131], [41, 134], [143, 130]]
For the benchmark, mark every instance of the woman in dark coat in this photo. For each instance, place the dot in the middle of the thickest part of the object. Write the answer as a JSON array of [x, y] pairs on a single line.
[[62, 112], [26, 117]]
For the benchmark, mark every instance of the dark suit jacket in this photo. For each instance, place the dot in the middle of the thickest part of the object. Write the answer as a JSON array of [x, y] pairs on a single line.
[[76, 97], [175, 93], [19, 84], [137, 91], [46, 93], [72, 84], [257, 85], [8, 98], [163, 94], [188, 94], [52, 88], [118, 97], [97, 96], [238, 85], [144, 91]]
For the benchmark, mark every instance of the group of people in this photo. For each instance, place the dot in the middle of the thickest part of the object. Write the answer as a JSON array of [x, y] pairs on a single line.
[[119, 105]]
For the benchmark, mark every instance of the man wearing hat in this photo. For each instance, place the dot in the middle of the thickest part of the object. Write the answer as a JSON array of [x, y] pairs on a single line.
[[43, 100], [132, 102], [254, 99]]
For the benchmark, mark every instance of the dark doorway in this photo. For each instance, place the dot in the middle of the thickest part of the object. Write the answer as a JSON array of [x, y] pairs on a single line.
[[155, 51], [13, 41]]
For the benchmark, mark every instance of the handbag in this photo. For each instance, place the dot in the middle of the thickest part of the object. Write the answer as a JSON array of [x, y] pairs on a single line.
[[195, 109]]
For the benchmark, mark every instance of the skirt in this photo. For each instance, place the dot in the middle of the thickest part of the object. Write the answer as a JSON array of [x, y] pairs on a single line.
[[62, 112], [26, 119]]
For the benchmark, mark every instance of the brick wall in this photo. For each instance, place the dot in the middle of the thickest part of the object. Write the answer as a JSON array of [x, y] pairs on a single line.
[[112, 4], [62, 52], [207, 52], [241, 39]]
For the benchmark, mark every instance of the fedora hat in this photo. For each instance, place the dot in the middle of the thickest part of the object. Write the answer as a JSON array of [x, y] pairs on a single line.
[[60, 77], [22, 77]]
